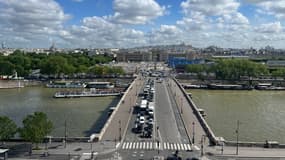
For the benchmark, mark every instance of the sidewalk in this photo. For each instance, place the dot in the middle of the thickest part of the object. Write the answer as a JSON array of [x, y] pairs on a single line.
[[119, 123], [247, 152]]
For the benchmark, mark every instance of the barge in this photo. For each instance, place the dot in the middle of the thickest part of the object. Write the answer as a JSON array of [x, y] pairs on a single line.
[[65, 84], [90, 93]]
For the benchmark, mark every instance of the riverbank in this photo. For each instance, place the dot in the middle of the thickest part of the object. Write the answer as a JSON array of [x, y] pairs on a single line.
[[258, 84], [6, 84]]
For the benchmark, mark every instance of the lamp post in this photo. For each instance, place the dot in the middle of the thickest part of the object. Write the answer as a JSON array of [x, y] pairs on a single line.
[[120, 131], [193, 134], [181, 109], [202, 144], [237, 132], [65, 133], [157, 128]]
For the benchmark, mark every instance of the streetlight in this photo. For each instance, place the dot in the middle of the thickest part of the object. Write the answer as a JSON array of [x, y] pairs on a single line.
[[65, 133], [193, 138], [120, 130], [181, 109], [203, 139], [157, 128], [237, 132]]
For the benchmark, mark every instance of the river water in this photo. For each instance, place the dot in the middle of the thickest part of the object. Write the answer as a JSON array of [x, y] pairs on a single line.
[[261, 113], [82, 115]]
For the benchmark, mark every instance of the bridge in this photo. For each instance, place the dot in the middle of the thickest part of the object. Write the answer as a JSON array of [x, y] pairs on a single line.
[[174, 127]]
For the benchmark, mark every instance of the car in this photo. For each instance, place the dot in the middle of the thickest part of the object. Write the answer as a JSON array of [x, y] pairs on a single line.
[[147, 134], [142, 120], [138, 128], [150, 121], [149, 128]]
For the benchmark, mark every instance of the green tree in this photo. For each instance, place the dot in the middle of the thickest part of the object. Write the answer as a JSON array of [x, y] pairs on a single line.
[[235, 68], [280, 72], [6, 68], [8, 128], [36, 127], [54, 65]]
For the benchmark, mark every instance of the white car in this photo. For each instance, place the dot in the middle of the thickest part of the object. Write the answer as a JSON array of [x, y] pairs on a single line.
[[142, 119]]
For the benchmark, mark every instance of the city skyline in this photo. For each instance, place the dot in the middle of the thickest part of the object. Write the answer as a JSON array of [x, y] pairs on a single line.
[[131, 23]]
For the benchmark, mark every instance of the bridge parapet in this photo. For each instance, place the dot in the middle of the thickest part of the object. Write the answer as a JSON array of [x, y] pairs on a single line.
[[210, 134]]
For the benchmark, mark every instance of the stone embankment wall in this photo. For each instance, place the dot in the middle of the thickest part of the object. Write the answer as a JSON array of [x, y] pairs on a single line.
[[10, 83]]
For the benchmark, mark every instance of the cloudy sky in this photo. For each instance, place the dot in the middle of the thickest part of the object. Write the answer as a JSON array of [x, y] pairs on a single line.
[[129, 23]]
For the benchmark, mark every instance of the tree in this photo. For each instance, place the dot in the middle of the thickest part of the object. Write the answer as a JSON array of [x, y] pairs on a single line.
[[36, 127], [280, 72], [6, 68], [8, 128]]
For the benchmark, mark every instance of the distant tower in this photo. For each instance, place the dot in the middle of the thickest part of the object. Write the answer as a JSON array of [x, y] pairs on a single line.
[[52, 47], [3, 45]]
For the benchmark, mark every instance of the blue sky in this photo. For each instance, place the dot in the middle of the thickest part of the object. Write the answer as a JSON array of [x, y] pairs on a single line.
[[130, 23]]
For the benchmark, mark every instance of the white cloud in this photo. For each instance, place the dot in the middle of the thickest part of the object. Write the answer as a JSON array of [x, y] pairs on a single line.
[[271, 7], [166, 34], [98, 32], [192, 24], [274, 27], [209, 7], [31, 19], [136, 11], [234, 21]]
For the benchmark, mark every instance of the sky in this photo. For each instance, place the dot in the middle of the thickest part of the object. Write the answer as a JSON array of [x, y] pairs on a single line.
[[132, 23]]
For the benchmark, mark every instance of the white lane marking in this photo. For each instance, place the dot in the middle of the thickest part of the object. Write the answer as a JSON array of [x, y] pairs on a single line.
[[143, 145], [137, 145], [164, 145], [168, 147], [127, 145], [174, 146], [189, 147], [150, 145], [131, 145], [146, 145], [185, 146], [171, 146], [182, 147], [196, 148], [178, 146], [155, 145], [124, 145]]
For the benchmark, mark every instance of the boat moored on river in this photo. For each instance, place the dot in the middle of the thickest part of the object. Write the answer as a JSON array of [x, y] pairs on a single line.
[[229, 87], [100, 85], [65, 84], [90, 93]]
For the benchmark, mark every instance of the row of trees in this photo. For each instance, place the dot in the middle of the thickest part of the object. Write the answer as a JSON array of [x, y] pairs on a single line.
[[232, 69], [55, 64], [35, 127]]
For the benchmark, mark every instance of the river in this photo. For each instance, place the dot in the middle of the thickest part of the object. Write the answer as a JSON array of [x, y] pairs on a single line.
[[82, 115], [261, 113]]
